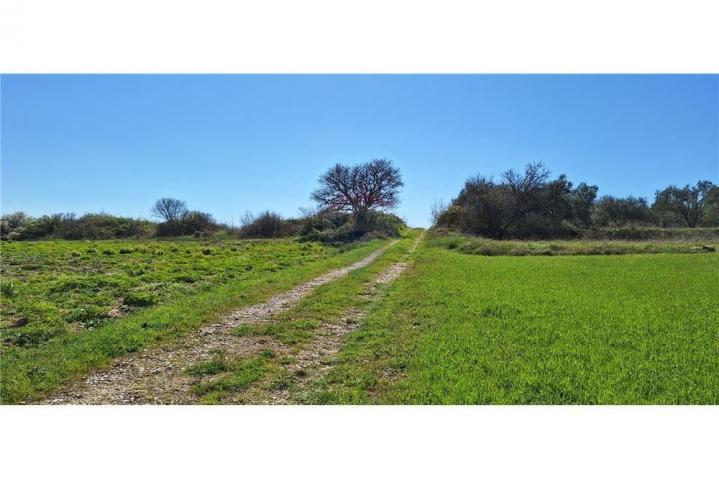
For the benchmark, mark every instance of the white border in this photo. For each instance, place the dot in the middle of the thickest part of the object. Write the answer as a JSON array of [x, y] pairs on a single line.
[[403, 36], [359, 442], [347, 37]]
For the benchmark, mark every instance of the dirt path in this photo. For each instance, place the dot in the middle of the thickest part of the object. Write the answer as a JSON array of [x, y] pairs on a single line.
[[316, 359], [155, 376]]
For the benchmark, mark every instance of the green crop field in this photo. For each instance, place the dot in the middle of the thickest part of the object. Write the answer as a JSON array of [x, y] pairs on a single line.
[[604, 329], [69, 306]]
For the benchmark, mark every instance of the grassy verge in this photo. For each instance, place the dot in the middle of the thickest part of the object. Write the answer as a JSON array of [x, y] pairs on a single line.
[[488, 247], [461, 329], [296, 328], [30, 373], [59, 287], [653, 233]]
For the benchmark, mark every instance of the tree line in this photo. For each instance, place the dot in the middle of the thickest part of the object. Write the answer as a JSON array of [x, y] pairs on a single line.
[[530, 204], [351, 202]]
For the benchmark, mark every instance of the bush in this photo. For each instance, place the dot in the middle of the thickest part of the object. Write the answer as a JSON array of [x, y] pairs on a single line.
[[529, 205], [101, 226], [192, 223], [266, 225], [336, 227], [619, 212], [523, 205], [12, 222], [19, 226]]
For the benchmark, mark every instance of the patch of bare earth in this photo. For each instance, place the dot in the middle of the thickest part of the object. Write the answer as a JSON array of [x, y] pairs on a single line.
[[314, 361], [156, 375]]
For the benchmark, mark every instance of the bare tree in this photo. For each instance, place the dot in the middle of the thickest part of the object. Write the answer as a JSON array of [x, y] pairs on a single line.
[[170, 209], [436, 210], [359, 188]]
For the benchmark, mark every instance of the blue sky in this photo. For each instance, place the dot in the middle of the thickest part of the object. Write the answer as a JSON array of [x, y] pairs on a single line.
[[231, 143]]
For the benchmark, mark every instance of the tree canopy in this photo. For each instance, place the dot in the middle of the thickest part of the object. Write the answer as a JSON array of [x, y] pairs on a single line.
[[359, 188], [170, 209], [690, 203]]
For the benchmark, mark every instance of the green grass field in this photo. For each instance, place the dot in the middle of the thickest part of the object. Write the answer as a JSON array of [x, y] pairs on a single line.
[[65, 307], [460, 326], [52, 288], [468, 329]]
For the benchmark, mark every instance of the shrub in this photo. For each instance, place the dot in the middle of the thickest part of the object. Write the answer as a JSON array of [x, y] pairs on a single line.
[[522, 205], [20, 226], [265, 225], [191, 223], [335, 227], [619, 212], [103, 226]]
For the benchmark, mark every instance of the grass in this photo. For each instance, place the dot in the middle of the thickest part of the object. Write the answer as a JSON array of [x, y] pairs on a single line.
[[62, 287], [298, 326], [464, 329], [219, 378], [210, 367], [240, 375], [453, 329], [488, 247], [29, 371]]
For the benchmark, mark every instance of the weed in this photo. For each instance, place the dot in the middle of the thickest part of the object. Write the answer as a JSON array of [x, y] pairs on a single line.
[[8, 289], [139, 299], [210, 367], [242, 374]]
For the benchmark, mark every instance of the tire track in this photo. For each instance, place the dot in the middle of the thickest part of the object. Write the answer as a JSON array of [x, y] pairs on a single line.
[[317, 359]]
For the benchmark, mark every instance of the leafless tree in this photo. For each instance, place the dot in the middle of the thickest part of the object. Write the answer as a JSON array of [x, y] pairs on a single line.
[[359, 188], [436, 210], [170, 209]]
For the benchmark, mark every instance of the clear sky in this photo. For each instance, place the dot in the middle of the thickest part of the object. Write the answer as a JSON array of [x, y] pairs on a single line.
[[231, 143]]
